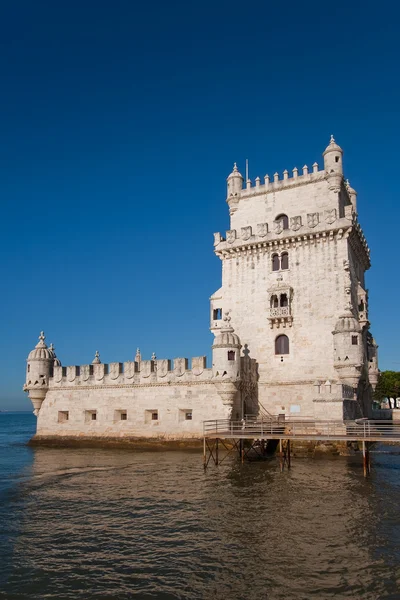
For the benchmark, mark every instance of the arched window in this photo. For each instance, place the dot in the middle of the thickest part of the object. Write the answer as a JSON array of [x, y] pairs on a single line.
[[275, 262], [231, 355], [284, 260], [284, 219], [282, 344], [284, 300], [274, 301]]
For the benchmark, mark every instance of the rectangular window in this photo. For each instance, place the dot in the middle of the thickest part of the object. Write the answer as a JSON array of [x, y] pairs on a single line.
[[231, 355], [217, 314], [63, 416], [90, 415], [185, 414], [151, 416], [120, 415], [354, 340]]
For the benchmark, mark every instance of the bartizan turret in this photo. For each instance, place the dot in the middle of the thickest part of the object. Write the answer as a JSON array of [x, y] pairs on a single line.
[[226, 362], [348, 348], [333, 165], [234, 188], [40, 364]]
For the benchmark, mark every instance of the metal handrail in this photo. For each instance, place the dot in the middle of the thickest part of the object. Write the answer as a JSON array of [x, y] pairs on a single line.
[[301, 428]]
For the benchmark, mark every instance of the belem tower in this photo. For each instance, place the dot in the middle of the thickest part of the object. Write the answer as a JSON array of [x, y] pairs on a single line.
[[290, 323]]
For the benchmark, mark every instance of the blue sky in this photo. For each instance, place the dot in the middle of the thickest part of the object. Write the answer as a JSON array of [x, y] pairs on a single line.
[[120, 122]]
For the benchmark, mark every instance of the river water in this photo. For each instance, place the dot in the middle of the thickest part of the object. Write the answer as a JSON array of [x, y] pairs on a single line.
[[116, 524]]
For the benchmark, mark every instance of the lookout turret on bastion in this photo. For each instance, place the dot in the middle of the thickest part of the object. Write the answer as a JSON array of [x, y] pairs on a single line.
[[290, 320]]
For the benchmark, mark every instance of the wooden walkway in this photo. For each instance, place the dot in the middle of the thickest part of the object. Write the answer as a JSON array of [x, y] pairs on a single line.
[[252, 436]]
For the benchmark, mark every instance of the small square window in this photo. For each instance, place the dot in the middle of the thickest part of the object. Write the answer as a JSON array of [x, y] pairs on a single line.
[[154, 415], [90, 415], [185, 414], [124, 416], [63, 416], [354, 340], [217, 314], [231, 355]]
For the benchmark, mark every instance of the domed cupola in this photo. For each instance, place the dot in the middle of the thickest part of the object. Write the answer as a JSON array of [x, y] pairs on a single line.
[[56, 361], [41, 351], [347, 323], [226, 337]]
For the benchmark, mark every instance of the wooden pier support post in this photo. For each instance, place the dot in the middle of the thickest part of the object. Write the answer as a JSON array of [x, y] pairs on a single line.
[[242, 450], [204, 453], [281, 463], [216, 452], [288, 454], [366, 458]]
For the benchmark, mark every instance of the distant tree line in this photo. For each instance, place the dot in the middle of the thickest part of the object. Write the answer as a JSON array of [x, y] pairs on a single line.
[[388, 386]]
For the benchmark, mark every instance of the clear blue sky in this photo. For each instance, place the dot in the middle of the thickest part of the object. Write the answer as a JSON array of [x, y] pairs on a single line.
[[120, 122]]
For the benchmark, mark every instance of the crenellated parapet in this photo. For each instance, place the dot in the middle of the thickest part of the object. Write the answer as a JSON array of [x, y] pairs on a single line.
[[145, 372], [277, 183]]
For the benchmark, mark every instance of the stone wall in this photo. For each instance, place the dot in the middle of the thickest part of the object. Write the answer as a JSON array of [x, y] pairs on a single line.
[[68, 411]]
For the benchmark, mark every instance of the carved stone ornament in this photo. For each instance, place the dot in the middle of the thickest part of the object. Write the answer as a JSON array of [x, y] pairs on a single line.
[[278, 226], [262, 229], [71, 373], [162, 367], [295, 223], [198, 365], [312, 219], [179, 366], [58, 374], [246, 233], [114, 370], [330, 216], [145, 368], [98, 371], [129, 370], [231, 236], [85, 372]]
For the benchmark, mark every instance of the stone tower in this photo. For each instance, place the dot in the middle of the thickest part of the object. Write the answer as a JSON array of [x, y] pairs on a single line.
[[293, 281]]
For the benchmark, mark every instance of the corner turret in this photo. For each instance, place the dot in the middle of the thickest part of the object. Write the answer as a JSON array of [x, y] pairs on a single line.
[[39, 369], [333, 164], [352, 195], [348, 348], [234, 187], [226, 361]]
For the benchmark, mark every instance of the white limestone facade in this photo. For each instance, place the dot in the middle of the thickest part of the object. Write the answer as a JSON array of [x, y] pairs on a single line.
[[290, 323], [293, 281]]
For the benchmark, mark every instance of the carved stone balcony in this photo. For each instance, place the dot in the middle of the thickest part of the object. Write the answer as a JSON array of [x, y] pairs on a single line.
[[280, 317]]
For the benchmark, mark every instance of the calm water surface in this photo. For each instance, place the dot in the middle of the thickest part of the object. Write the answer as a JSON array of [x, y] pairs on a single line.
[[82, 524]]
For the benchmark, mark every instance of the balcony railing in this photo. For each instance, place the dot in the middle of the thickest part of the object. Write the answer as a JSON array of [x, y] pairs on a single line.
[[281, 311]]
